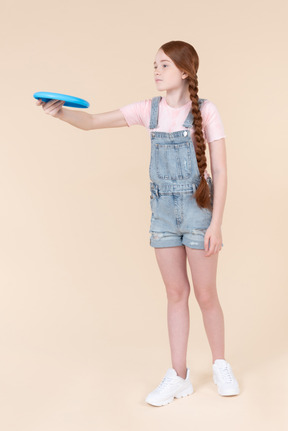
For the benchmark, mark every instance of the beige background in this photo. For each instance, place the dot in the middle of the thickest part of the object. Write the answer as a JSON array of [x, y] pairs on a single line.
[[83, 306]]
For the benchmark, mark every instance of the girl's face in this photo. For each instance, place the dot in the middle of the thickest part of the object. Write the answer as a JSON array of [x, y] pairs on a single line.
[[167, 76]]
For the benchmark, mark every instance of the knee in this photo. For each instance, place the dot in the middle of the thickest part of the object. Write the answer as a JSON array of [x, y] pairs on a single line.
[[178, 293], [206, 300]]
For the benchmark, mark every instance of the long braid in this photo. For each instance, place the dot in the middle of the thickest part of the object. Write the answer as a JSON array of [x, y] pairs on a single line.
[[186, 59], [202, 194]]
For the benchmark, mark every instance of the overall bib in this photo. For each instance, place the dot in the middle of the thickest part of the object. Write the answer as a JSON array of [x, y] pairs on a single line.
[[176, 218]]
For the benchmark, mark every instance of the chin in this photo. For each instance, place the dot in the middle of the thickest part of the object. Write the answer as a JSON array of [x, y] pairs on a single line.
[[158, 84]]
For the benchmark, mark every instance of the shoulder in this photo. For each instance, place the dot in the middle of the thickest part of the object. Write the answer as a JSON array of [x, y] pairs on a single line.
[[137, 112], [207, 105], [142, 104], [209, 111], [212, 122]]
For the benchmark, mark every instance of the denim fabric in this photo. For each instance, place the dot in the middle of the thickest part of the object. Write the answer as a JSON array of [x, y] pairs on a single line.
[[176, 219]]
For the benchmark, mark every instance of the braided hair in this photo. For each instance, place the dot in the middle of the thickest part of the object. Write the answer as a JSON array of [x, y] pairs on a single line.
[[186, 59]]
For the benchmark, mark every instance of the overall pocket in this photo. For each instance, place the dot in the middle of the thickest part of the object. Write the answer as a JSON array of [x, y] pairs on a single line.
[[173, 161]]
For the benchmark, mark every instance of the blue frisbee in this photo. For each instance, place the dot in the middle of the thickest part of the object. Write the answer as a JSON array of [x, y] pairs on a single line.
[[73, 102]]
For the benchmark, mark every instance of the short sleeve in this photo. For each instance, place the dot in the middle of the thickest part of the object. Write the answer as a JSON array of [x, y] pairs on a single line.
[[137, 113], [212, 123]]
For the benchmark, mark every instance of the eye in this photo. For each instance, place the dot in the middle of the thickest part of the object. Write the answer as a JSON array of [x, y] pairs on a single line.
[[164, 65]]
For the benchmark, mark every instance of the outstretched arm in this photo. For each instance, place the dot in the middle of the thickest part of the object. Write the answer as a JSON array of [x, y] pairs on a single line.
[[108, 119], [81, 119]]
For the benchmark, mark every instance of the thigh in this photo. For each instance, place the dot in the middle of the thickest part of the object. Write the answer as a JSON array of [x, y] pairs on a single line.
[[172, 262], [203, 272]]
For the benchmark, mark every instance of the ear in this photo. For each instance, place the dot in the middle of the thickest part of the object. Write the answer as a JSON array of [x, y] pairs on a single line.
[[184, 75]]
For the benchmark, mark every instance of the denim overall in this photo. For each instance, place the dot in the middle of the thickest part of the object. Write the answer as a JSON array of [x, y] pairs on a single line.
[[176, 217]]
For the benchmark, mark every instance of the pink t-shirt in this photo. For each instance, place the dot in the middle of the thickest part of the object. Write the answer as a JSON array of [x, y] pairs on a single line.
[[172, 119]]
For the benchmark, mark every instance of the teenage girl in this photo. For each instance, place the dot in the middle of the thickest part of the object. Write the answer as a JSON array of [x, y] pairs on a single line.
[[186, 204]]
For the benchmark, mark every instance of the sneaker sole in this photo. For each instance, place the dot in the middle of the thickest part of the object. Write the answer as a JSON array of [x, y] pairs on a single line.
[[184, 393]]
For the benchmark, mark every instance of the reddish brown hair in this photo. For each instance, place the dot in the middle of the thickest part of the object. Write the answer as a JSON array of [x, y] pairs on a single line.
[[186, 59]]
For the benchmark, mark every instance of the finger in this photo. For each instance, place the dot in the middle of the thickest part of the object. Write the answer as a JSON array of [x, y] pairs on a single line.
[[212, 249], [52, 111], [56, 109], [206, 243], [49, 109], [206, 246], [52, 102]]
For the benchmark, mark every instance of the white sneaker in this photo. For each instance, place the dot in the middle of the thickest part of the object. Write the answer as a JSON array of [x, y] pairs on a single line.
[[224, 378], [172, 386]]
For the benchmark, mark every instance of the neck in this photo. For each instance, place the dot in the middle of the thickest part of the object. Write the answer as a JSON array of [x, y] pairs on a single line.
[[176, 99]]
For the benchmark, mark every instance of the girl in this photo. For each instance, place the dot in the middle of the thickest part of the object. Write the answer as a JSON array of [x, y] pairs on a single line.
[[186, 204]]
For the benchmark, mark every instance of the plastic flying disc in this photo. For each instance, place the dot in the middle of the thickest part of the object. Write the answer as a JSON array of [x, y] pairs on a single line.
[[72, 101]]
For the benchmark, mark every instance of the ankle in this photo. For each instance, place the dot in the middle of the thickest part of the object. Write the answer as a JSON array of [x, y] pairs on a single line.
[[181, 372], [213, 360]]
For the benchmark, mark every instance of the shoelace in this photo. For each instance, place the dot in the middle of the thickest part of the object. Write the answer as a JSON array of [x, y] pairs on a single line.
[[165, 382], [226, 373]]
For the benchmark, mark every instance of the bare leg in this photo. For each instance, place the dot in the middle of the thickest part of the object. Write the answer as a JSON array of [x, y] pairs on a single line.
[[203, 271], [172, 265]]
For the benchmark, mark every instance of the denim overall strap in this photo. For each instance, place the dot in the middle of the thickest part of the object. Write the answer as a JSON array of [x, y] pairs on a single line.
[[190, 119], [154, 112]]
